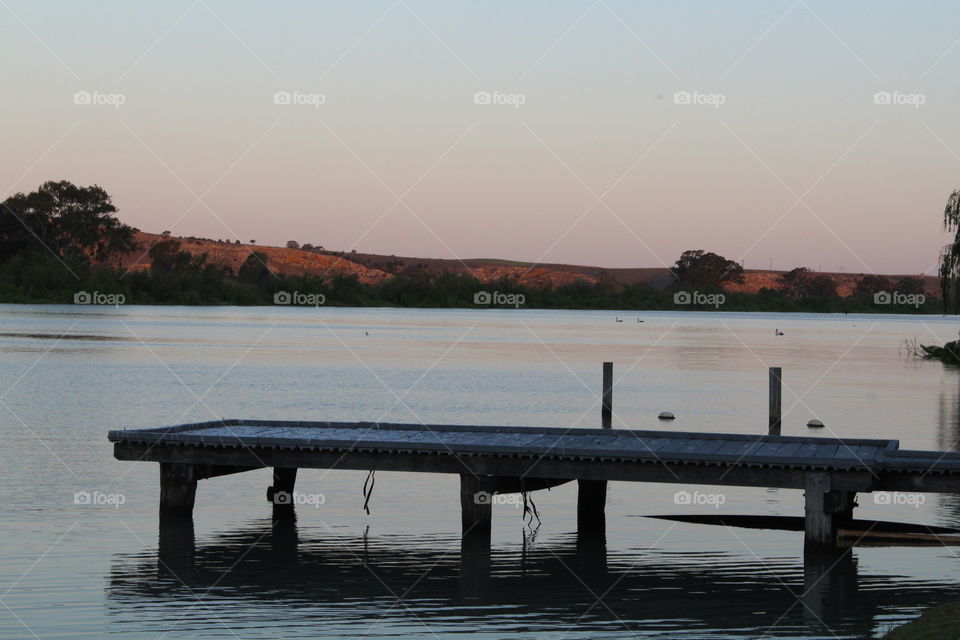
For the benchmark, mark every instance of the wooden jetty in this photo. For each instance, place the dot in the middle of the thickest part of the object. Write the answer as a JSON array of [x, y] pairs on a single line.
[[492, 460]]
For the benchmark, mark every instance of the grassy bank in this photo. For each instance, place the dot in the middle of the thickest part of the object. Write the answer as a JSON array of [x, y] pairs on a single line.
[[937, 623]]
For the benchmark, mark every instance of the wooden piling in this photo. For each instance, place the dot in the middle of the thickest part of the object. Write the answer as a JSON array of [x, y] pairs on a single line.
[[591, 506], [592, 494], [841, 504], [818, 530], [284, 480], [606, 409], [476, 503], [476, 511], [178, 488], [176, 548], [775, 401]]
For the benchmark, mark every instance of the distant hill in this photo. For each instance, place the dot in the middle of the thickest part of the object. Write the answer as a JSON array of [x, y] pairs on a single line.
[[491, 269], [279, 259], [372, 268]]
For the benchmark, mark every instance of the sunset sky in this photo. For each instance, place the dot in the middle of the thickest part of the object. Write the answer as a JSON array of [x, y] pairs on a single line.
[[582, 155]]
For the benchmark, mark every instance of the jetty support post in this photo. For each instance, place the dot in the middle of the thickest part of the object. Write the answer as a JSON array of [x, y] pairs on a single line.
[[476, 504], [476, 511], [178, 488], [284, 479], [592, 494], [775, 401], [176, 547], [829, 583], [178, 484], [825, 510]]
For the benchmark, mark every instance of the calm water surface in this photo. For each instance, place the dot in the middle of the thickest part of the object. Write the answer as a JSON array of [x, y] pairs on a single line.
[[70, 570]]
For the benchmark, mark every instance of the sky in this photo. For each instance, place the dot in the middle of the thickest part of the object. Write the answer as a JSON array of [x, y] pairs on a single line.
[[618, 134]]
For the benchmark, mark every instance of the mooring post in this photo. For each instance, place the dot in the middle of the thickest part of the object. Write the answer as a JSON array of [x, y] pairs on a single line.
[[284, 479], [775, 401], [592, 494], [606, 409], [178, 488]]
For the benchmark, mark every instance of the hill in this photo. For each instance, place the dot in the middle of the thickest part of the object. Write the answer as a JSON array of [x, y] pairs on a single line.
[[279, 259], [371, 268]]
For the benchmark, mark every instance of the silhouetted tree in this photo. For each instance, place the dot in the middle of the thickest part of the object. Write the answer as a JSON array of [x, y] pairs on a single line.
[[706, 269], [793, 282], [820, 287], [909, 285], [74, 223], [871, 284], [163, 255], [254, 269]]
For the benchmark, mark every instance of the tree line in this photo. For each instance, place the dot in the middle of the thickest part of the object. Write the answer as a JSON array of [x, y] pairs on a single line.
[[62, 238]]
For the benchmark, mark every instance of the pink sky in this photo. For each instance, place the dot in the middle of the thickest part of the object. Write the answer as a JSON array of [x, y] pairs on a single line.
[[586, 153]]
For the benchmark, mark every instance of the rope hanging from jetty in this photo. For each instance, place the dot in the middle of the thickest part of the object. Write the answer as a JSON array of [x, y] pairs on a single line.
[[530, 509], [368, 490]]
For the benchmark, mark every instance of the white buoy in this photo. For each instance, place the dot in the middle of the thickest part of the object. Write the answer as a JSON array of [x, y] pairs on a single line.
[[666, 415], [815, 424]]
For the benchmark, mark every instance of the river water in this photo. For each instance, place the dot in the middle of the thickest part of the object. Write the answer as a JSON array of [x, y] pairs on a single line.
[[80, 547]]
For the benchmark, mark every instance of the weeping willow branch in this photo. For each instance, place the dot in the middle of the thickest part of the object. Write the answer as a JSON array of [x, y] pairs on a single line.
[[950, 255]]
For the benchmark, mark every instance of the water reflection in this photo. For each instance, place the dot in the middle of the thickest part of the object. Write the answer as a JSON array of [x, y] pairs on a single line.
[[948, 433], [426, 584]]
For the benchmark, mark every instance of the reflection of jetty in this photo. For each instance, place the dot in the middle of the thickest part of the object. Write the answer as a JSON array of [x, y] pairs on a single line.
[[541, 586], [493, 460]]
